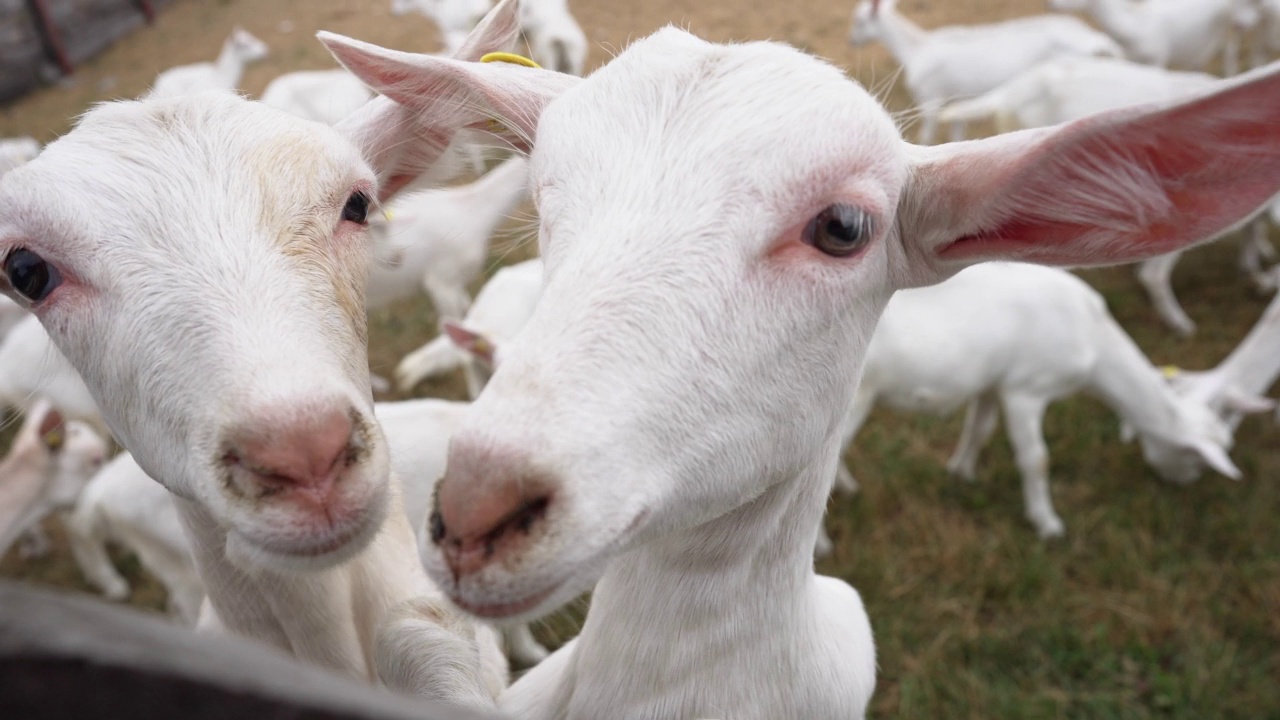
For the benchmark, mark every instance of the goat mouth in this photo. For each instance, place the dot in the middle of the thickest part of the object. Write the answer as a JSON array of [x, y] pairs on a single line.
[[498, 611]]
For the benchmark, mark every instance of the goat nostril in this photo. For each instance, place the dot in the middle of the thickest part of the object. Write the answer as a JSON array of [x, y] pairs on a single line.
[[437, 527]]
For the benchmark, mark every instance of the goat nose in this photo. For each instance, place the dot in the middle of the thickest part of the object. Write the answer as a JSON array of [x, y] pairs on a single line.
[[487, 507], [307, 453]]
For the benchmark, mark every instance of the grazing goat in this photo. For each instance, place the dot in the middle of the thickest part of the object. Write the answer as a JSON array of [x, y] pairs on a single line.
[[721, 226], [1019, 337], [501, 309], [1070, 89], [46, 468], [201, 262], [953, 63], [240, 49], [437, 240], [1186, 34], [325, 96]]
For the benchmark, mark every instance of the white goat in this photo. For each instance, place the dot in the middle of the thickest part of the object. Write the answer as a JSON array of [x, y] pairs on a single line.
[[201, 262], [46, 467], [124, 505], [502, 307], [1020, 337], [1070, 89], [325, 96], [721, 227], [1186, 34], [952, 63], [15, 151], [239, 50], [437, 240]]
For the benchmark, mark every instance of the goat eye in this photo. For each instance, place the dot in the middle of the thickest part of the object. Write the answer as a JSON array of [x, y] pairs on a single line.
[[357, 208], [839, 230], [30, 275]]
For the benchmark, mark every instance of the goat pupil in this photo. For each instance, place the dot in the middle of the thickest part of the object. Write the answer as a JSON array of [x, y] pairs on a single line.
[[357, 208], [30, 275], [841, 231]]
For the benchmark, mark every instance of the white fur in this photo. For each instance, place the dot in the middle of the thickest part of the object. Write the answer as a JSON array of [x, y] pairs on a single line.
[[1186, 34], [669, 420], [957, 62], [455, 18], [1019, 337], [239, 50], [325, 96], [438, 240], [212, 298], [501, 309], [39, 478]]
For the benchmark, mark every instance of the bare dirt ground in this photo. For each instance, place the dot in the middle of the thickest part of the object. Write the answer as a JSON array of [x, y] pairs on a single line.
[[1162, 602]]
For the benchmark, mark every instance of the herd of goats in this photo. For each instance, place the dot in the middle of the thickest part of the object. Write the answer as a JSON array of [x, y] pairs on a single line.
[[730, 236]]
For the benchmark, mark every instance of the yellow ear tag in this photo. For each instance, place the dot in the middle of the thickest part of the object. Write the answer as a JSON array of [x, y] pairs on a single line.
[[388, 215], [507, 57], [1170, 371], [496, 127], [53, 439]]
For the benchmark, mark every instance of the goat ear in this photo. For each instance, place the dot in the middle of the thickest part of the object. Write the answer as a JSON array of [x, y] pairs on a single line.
[[471, 341], [1245, 403], [51, 429], [1217, 458], [501, 98], [428, 99], [1117, 187]]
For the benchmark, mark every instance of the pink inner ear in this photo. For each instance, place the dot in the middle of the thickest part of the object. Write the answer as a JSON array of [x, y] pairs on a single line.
[[472, 342], [1127, 189], [51, 421]]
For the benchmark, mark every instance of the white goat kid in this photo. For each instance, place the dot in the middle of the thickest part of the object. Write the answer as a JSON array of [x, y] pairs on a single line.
[[1070, 89], [325, 96], [1187, 34], [202, 265], [501, 309], [122, 504], [437, 240], [46, 468], [15, 151], [1020, 337], [690, 475], [239, 50], [952, 63]]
